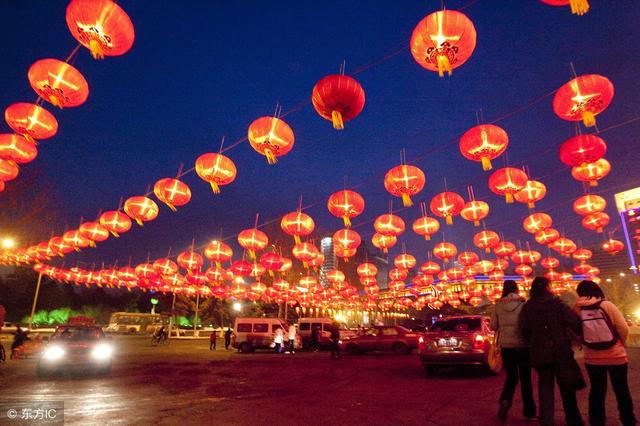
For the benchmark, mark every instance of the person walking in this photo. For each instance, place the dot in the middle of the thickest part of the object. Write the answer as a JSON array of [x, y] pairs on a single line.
[[278, 339], [335, 343], [227, 338], [604, 332], [515, 351], [212, 339], [292, 339], [546, 323], [314, 344]]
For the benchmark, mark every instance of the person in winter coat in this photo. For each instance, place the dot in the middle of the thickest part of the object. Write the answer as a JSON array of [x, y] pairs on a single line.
[[227, 338], [546, 324], [515, 351], [602, 321], [292, 339], [278, 339], [212, 340]]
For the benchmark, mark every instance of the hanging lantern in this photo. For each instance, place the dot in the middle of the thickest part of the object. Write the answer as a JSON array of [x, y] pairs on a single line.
[[216, 169], [338, 98], [446, 205], [172, 192], [58, 83], [94, 232], [297, 224], [484, 267], [257, 270], [384, 242], [445, 251], [8, 170], [253, 240], [404, 181], [546, 236], [345, 204], [550, 262], [475, 211], [582, 98], [578, 7], [595, 221], [507, 181], [405, 261], [486, 240], [502, 264], [468, 258], [397, 274], [305, 252], [426, 226], [564, 246], [141, 209], [218, 252], [365, 270], [532, 192], [271, 137], [582, 255], [612, 246], [241, 268], [190, 260], [31, 121], [582, 149], [345, 241], [537, 222], [484, 143], [443, 40], [165, 267], [146, 271], [389, 224], [523, 269], [75, 240], [16, 148], [591, 172], [115, 222], [589, 204]]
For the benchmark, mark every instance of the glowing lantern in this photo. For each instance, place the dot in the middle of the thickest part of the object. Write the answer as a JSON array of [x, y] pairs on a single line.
[[297, 224], [338, 98], [141, 209], [484, 267], [101, 26], [563, 246], [287, 264], [582, 255], [272, 261], [389, 224], [257, 270], [426, 226], [345, 204], [94, 232], [384, 242], [115, 222], [532, 192], [16, 148], [589, 204], [581, 268], [345, 241], [612, 246], [172, 192], [398, 274], [8, 170], [60, 247], [444, 251], [75, 239], [216, 169], [58, 83], [595, 221], [190, 260], [430, 268], [591, 172], [146, 270], [253, 240], [404, 261], [582, 98], [271, 137], [523, 269], [443, 40], [484, 143], [578, 7], [550, 262], [502, 264], [365, 270], [507, 181], [305, 252], [165, 266], [216, 274], [218, 252], [486, 240], [537, 222], [468, 258], [546, 236], [474, 211], [31, 121], [582, 149], [446, 205], [404, 181]]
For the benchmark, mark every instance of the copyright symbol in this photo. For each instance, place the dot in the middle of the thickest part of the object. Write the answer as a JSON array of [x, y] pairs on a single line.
[[12, 414]]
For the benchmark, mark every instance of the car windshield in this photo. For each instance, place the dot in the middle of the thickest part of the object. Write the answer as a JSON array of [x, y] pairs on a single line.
[[457, 324], [77, 333]]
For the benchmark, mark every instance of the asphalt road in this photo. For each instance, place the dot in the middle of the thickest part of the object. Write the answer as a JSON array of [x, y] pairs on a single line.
[[185, 383]]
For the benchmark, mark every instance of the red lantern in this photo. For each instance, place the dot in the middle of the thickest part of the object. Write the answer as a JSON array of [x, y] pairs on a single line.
[[241, 268], [444, 251], [546, 236], [364, 270], [550, 262], [389, 224], [446, 205], [582, 255], [216, 169], [253, 240], [591, 172], [612, 246], [484, 143], [443, 40], [582, 149], [166, 267], [218, 252], [141, 209], [532, 192], [115, 222], [58, 82], [564, 246], [474, 211], [8, 170], [578, 7], [595, 221], [101, 26], [75, 240], [507, 181], [16, 148], [404, 181], [345, 204], [484, 267], [468, 258], [426, 226], [486, 240], [172, 192], [582, 98], [31, 121], [94, 232], [338, 98], [384, 242], [404, 261], [345, 241], [523, 269], [297, 224], [504, 249], [537, 222], [271, 137], [430, 268], [190, 260], [589, 204], [146, 271]]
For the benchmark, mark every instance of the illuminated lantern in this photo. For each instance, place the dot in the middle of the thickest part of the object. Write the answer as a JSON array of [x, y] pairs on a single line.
[[404, 181], [532, 192], [484, 143], [468, 258], [345, 241], [257, 270], [338, 98], [216, 169], [612, 246], [443, 40], [444, 251], [16, 148], [271, 137], [486, 240], [190, 260], [60, 247], [305, 252], [484, 267], [389, 224], [58, 83], [272, 261], [115, 222], [523, 269], [563, 246], [593, 271], [546, 236], [474, 211], [581, 268], [297, 224], [146, 270], [94, 232], [595, 221], [507, 181], [430, 268], [582, 255], [141, 209], [502, 264], [216, 274], [426, 226], [582, 98], [345, 204], [446, 205], [165, 266], [218, 252], [172, 192], [578, 7], [398, 274], [384, 242], [31, 121], [253, 240], [335, 275], [537, 222], [365, 270], [287, 264], [589, 204], [126, 274], [75, 239], [404, 261], [591, 172], [8, 170], [550, 262], [582, 149]]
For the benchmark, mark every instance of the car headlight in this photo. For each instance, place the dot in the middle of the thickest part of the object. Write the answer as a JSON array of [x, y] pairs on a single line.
[[102, 351], [53, 353]]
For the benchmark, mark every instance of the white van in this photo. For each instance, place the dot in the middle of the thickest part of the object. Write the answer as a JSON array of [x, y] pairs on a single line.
[[258, 333], [324, 325]]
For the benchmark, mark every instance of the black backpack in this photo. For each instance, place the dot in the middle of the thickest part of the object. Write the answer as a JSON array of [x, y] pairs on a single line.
[[598, 332]]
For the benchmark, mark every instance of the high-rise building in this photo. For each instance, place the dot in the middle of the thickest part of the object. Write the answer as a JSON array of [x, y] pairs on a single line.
[[326, 248]]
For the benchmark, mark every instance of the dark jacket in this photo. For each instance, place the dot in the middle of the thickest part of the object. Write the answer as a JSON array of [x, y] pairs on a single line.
[[547, 324]]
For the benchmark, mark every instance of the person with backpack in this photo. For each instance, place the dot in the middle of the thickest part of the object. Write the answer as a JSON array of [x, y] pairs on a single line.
[[546, 323], [604, 332]]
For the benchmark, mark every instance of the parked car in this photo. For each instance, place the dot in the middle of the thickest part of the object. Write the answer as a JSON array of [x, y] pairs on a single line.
[[250, 334], [394, 338], [460, 340], [324, 325]]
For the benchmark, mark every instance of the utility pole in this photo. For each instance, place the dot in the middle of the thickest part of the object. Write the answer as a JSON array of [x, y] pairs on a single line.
[[35, 301], [173, 307]]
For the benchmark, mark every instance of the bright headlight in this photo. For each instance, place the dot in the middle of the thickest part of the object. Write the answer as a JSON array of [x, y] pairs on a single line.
[[53, 353], [102, 351]]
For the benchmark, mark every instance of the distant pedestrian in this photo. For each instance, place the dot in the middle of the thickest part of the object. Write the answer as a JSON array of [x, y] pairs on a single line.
[[515, 351], [604, 332], [315, 339], [227, 338], [212, 339], [335, 343], [546, 323], [278, 339], [292, 339]]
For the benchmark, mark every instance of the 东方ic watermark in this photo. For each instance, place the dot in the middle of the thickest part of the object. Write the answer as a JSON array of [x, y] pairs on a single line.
[[31, 412]]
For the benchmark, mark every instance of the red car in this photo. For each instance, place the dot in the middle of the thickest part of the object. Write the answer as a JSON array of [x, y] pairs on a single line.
[[381, 338], [460, 340]]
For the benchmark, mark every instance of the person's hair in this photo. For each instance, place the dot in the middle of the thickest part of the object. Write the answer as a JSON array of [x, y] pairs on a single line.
[[539, 287], [588, 288], [509, 287]]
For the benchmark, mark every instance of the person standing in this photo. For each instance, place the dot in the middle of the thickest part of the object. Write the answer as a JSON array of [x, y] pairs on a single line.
[[227, 338], [278, 339], [604, 333], [546, 323], [335, 343], [212, 339], [292, 339], [515, 351], [314, 344]]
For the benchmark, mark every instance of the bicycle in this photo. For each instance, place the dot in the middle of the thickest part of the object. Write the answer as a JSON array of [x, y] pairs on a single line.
[[159, 340]]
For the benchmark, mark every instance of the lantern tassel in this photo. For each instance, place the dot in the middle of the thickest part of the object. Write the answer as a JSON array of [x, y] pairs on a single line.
[[139, 221], [579, 7], [406, 200], [347, 221], [115, 234], [427, 237], [92, 243], [296, 238], [336, 119], [271, 158], [531, 204], [449, 220], [55, 101], [29, 138], [444, 65], [593, 183], [171, 206], [252, 254], [599, 230], [214, 187], [487, 249], [508, 197], [588, 119], [486, 163], [476, 223], [96, 49], [218, 265]]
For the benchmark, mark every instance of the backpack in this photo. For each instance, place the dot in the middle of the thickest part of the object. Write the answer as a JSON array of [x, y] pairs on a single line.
[[597, 330]]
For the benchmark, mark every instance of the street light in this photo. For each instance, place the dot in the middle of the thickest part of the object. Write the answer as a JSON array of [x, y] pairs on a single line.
[[622, 274], [8, 243], [237, 307]]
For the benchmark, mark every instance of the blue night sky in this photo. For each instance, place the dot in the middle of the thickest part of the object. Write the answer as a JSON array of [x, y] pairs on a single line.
[[202, 69]]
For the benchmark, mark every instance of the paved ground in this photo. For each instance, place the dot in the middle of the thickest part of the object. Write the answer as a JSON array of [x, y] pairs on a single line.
[[186, 383]]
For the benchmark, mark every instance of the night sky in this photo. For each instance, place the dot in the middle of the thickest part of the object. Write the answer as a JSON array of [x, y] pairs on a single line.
[[199, 70]]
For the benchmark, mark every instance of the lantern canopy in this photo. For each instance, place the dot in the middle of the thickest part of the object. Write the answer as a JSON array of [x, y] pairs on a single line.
[[507, 181], [58, 83], [582, 98], [484, 143], [338, 98], [216, 169], [404, 181], [31, 121], [271, 137], [346, 204]]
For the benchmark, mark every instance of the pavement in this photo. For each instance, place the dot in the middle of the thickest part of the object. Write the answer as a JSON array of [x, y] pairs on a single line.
[[185, 383]]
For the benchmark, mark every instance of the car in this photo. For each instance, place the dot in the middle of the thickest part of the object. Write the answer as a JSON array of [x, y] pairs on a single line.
[[76, 346], [250, 334], [394, 338], [460, 340], [324, 325]]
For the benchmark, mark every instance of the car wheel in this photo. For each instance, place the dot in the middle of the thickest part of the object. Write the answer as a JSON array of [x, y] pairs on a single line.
[[430, 370], [401, 349], [245, 347], [352, 349]]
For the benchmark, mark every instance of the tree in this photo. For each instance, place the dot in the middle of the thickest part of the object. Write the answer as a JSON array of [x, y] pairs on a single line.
[[621, 293]]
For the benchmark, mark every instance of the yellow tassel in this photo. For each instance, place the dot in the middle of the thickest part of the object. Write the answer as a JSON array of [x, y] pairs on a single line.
[[579, 7], [271, 158], [346, 260], [588, 119], [336, 119], [214, 187], [593, 183], [444, 65], [139, 221], [385, 251], [446, 260], [508, 197], [347, 221], [406, 200], [171, 206], [271, 274], [449, 220], [218, 265], [252, 254], [486, 163], [296, 238], [427, 237], [55, 101], [599, 230], [476, 223], [487, 249], [115, 234], [96, 49], [92, 243], [30, 138], [531, 204]]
